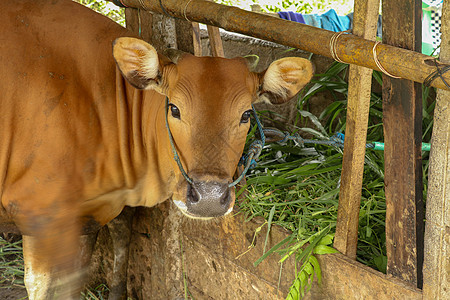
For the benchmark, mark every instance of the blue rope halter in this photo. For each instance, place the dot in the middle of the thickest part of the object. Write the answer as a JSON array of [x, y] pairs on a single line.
[[247, 160]]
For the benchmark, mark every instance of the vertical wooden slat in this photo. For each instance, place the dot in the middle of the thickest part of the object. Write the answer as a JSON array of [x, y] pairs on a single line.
[[139, 22], [402, 111], [185, 36], [436, 270], [169, 32], [132, 19], [215, 41], [196, 39], [164, 32], [360, 79]]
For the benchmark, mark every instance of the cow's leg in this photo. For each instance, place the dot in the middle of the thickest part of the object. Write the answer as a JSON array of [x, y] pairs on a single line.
[[120, 232], [51, 252], [37, 279], [42, 279]]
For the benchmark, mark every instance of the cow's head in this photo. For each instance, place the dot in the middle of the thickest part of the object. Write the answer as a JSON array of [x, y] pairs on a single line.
[[210, 102]]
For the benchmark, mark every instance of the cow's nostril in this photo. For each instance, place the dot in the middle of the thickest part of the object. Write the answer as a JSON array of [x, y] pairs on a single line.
[[192, 194], [225, 197]]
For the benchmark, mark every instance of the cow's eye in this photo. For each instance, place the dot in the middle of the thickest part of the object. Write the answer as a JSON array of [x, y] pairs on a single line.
[[175, 111], [246, 116]]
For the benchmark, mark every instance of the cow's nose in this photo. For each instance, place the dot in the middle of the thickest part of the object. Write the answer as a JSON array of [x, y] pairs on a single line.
[[208, 199]]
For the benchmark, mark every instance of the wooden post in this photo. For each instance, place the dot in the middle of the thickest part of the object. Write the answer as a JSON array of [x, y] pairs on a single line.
[[436, 270], [360, 82], [197, 39], [215, 41], [402, 111], [185, 36], [139, 22], [164, 32]]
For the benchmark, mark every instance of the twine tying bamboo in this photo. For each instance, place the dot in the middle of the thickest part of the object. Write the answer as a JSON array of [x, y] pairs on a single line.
[[141, 2], [377, 62], [184, 12], [333, 43]]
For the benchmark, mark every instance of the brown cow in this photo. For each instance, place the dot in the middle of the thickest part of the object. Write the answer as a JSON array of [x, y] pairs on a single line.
[[83, 134]]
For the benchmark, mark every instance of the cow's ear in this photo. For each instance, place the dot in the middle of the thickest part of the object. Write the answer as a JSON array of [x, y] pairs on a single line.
[[138, 61], [284, 79]]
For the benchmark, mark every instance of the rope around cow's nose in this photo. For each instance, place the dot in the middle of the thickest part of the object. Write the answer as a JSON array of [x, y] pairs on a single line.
[[247, 160]]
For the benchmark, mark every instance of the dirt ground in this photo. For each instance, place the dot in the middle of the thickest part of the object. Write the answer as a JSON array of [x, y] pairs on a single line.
[[12, 293]]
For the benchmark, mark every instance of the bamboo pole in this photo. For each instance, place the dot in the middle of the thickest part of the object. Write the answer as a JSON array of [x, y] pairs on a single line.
[[350, 48]]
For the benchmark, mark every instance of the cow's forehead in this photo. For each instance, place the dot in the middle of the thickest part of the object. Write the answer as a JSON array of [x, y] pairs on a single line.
[[213, 69], [214, 77]]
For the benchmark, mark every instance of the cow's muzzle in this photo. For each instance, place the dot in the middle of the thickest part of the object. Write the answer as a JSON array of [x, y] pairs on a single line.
[[207, 199]]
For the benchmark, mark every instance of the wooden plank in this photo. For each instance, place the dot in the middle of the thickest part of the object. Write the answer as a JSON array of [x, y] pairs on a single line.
[[185, 36], [343, 278], [159, 30], [218, 257], [197, 41], [215, 41], [436, 270], [139, 22], [350, 48], [360, 82], [132, 19], [164, 32], [402, 111]]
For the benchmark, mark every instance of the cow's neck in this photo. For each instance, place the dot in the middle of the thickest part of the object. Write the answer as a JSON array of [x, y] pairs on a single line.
[[144, 148], [128, 101]]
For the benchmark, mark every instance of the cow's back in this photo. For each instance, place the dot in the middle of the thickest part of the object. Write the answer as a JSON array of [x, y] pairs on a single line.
[[57, 80]]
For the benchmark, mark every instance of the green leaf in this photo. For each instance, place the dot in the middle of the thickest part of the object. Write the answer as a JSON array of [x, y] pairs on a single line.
[[273, 249], [317, 171], [295, 248], [313, 119], [309, 249], [294, 290], [381, 263], [315, 263], [368, 232], [324, 249], [303, 282], [276, 180], [308, 268], [327, 240], [269, 224]]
